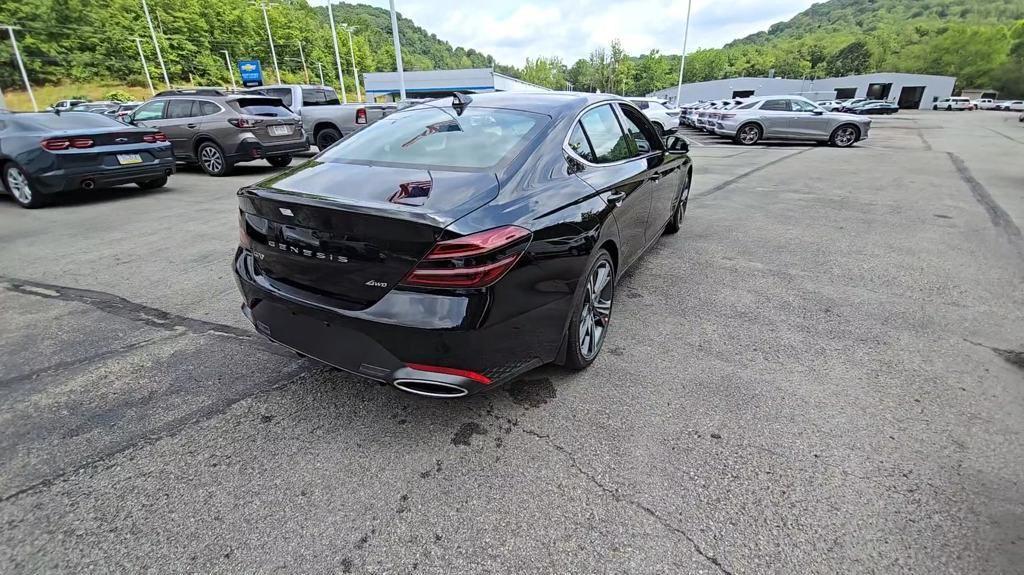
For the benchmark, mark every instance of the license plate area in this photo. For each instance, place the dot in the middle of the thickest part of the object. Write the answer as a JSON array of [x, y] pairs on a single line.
[[128, 159], [281, 130]]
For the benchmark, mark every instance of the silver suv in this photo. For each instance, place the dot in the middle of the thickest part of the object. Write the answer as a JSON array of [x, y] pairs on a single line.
[[790, 118], [216, 130]]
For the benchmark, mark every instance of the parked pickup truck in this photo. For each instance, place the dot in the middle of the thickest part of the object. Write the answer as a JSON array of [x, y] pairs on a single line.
[[324, 118]]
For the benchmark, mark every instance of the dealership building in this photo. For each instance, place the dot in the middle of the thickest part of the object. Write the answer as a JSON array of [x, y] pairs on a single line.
[[384, 86], [909, 91]]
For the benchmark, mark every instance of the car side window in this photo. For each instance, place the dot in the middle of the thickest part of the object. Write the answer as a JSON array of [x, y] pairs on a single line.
[[179, 109], [150, 111], [208, 108], [776, 105], [801, 106], [642, 144], [579, 144], [642, 105], [748, 105], [609, 142]]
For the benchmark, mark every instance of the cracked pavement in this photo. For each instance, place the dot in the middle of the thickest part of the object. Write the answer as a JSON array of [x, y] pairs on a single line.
[[822, 373]]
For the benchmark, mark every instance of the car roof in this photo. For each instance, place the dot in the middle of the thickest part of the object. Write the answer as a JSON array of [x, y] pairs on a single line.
[[547, 103]]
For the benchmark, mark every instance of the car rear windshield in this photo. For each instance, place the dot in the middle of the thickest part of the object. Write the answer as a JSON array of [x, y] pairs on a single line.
[[255, 106], [432, 137], [69, 121]]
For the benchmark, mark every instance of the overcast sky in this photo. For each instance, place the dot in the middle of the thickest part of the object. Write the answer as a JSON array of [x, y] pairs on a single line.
[[512, 30]]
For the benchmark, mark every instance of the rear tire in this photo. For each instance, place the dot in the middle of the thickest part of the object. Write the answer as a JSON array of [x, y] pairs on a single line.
[[591, 314], [212, 159], [748, 135], [326, 137], [17, 184], [279, 161], [152, 184], [659, 128]]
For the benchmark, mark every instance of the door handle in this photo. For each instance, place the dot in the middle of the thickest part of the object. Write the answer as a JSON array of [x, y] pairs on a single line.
[[616, 198], [192, 126]]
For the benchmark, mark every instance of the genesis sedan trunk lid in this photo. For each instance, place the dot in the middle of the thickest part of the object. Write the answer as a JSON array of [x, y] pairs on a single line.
[[350, 232]]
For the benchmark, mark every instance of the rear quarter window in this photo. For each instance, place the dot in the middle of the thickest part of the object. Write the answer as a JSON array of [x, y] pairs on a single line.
[[267, 107]]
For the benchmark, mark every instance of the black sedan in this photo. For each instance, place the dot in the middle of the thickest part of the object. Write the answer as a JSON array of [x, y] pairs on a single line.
[[875, 108], [452, 246], [45, 154]]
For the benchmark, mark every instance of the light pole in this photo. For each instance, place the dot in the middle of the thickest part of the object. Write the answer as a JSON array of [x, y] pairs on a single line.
[[320, 68], [337, 56], [152, 34], [21, 66], [682, 63], [270, 38], [145, 68], [302, 57], [398, 51], [352, 52], [231, 72]]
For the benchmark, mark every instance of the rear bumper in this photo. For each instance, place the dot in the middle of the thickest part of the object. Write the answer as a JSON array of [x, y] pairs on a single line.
[[67, 180], [393, 340], [253, 149]]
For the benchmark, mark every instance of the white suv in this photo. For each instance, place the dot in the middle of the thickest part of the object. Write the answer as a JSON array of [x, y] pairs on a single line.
[[661, 116], [953, 103], [984, 104]]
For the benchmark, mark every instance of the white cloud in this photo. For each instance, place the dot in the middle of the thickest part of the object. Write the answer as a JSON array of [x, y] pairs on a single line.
[[513, 30]]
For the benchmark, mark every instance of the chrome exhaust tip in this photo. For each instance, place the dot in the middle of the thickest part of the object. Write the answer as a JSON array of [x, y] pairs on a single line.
[[435, 389], [88, 184]]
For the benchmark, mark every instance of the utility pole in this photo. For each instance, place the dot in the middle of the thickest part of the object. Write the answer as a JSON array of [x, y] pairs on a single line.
[[270, 38], [320, 68], [302, 57], [337, 57], [145, 68], [682, 63], [152, 34], [231, 71], [21, 66], [398, 51], [352, 52]]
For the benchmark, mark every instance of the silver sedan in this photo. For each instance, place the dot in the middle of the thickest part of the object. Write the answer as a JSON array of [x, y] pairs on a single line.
[[790, 118]]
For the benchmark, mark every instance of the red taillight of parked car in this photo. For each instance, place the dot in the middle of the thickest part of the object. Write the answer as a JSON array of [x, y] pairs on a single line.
[[56, 144], [361, 115], [474, 261], [153, 138], [727, 116], [81, 143], [244, 122]]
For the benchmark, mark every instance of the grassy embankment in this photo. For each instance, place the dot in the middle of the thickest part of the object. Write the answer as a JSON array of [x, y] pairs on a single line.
[[18, 100]]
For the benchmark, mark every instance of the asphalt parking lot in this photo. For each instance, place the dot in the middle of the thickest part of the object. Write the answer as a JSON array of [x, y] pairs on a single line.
[[823, 372]]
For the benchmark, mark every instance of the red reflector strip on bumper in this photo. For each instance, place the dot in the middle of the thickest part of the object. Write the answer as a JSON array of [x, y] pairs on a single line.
[[479, 378]]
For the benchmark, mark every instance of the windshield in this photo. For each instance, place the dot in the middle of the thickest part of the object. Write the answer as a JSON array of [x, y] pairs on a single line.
[[433, 137]]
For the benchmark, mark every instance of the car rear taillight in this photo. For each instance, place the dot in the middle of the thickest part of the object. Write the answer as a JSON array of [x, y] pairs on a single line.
[[361, 115], [728, 116], [473, 261], [244, 122], [81, 143], [55, 144], [153, 138]]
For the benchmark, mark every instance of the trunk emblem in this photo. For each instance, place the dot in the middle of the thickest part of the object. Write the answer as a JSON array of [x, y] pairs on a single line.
[[375, 283], [121, 140], [286, 212]]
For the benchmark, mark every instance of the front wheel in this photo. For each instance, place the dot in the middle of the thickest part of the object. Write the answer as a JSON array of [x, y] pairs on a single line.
[[279, 161], [844, 136], [679, 210], [592, 313], [17, 184]]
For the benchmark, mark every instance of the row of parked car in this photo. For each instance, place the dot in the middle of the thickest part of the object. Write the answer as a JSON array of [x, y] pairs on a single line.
[[98, 144], [751, 120]]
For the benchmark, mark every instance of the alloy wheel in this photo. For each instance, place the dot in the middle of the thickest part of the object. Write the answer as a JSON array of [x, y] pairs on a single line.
[[749, 134], [211, 159], [845, 136], [597, 310], [17, 183]]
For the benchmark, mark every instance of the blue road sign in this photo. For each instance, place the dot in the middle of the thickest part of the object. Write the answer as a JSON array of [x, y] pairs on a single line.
[[251, 72]]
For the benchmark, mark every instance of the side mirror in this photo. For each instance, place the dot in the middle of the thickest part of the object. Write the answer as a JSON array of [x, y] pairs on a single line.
[[818, 112], [676, 144]]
